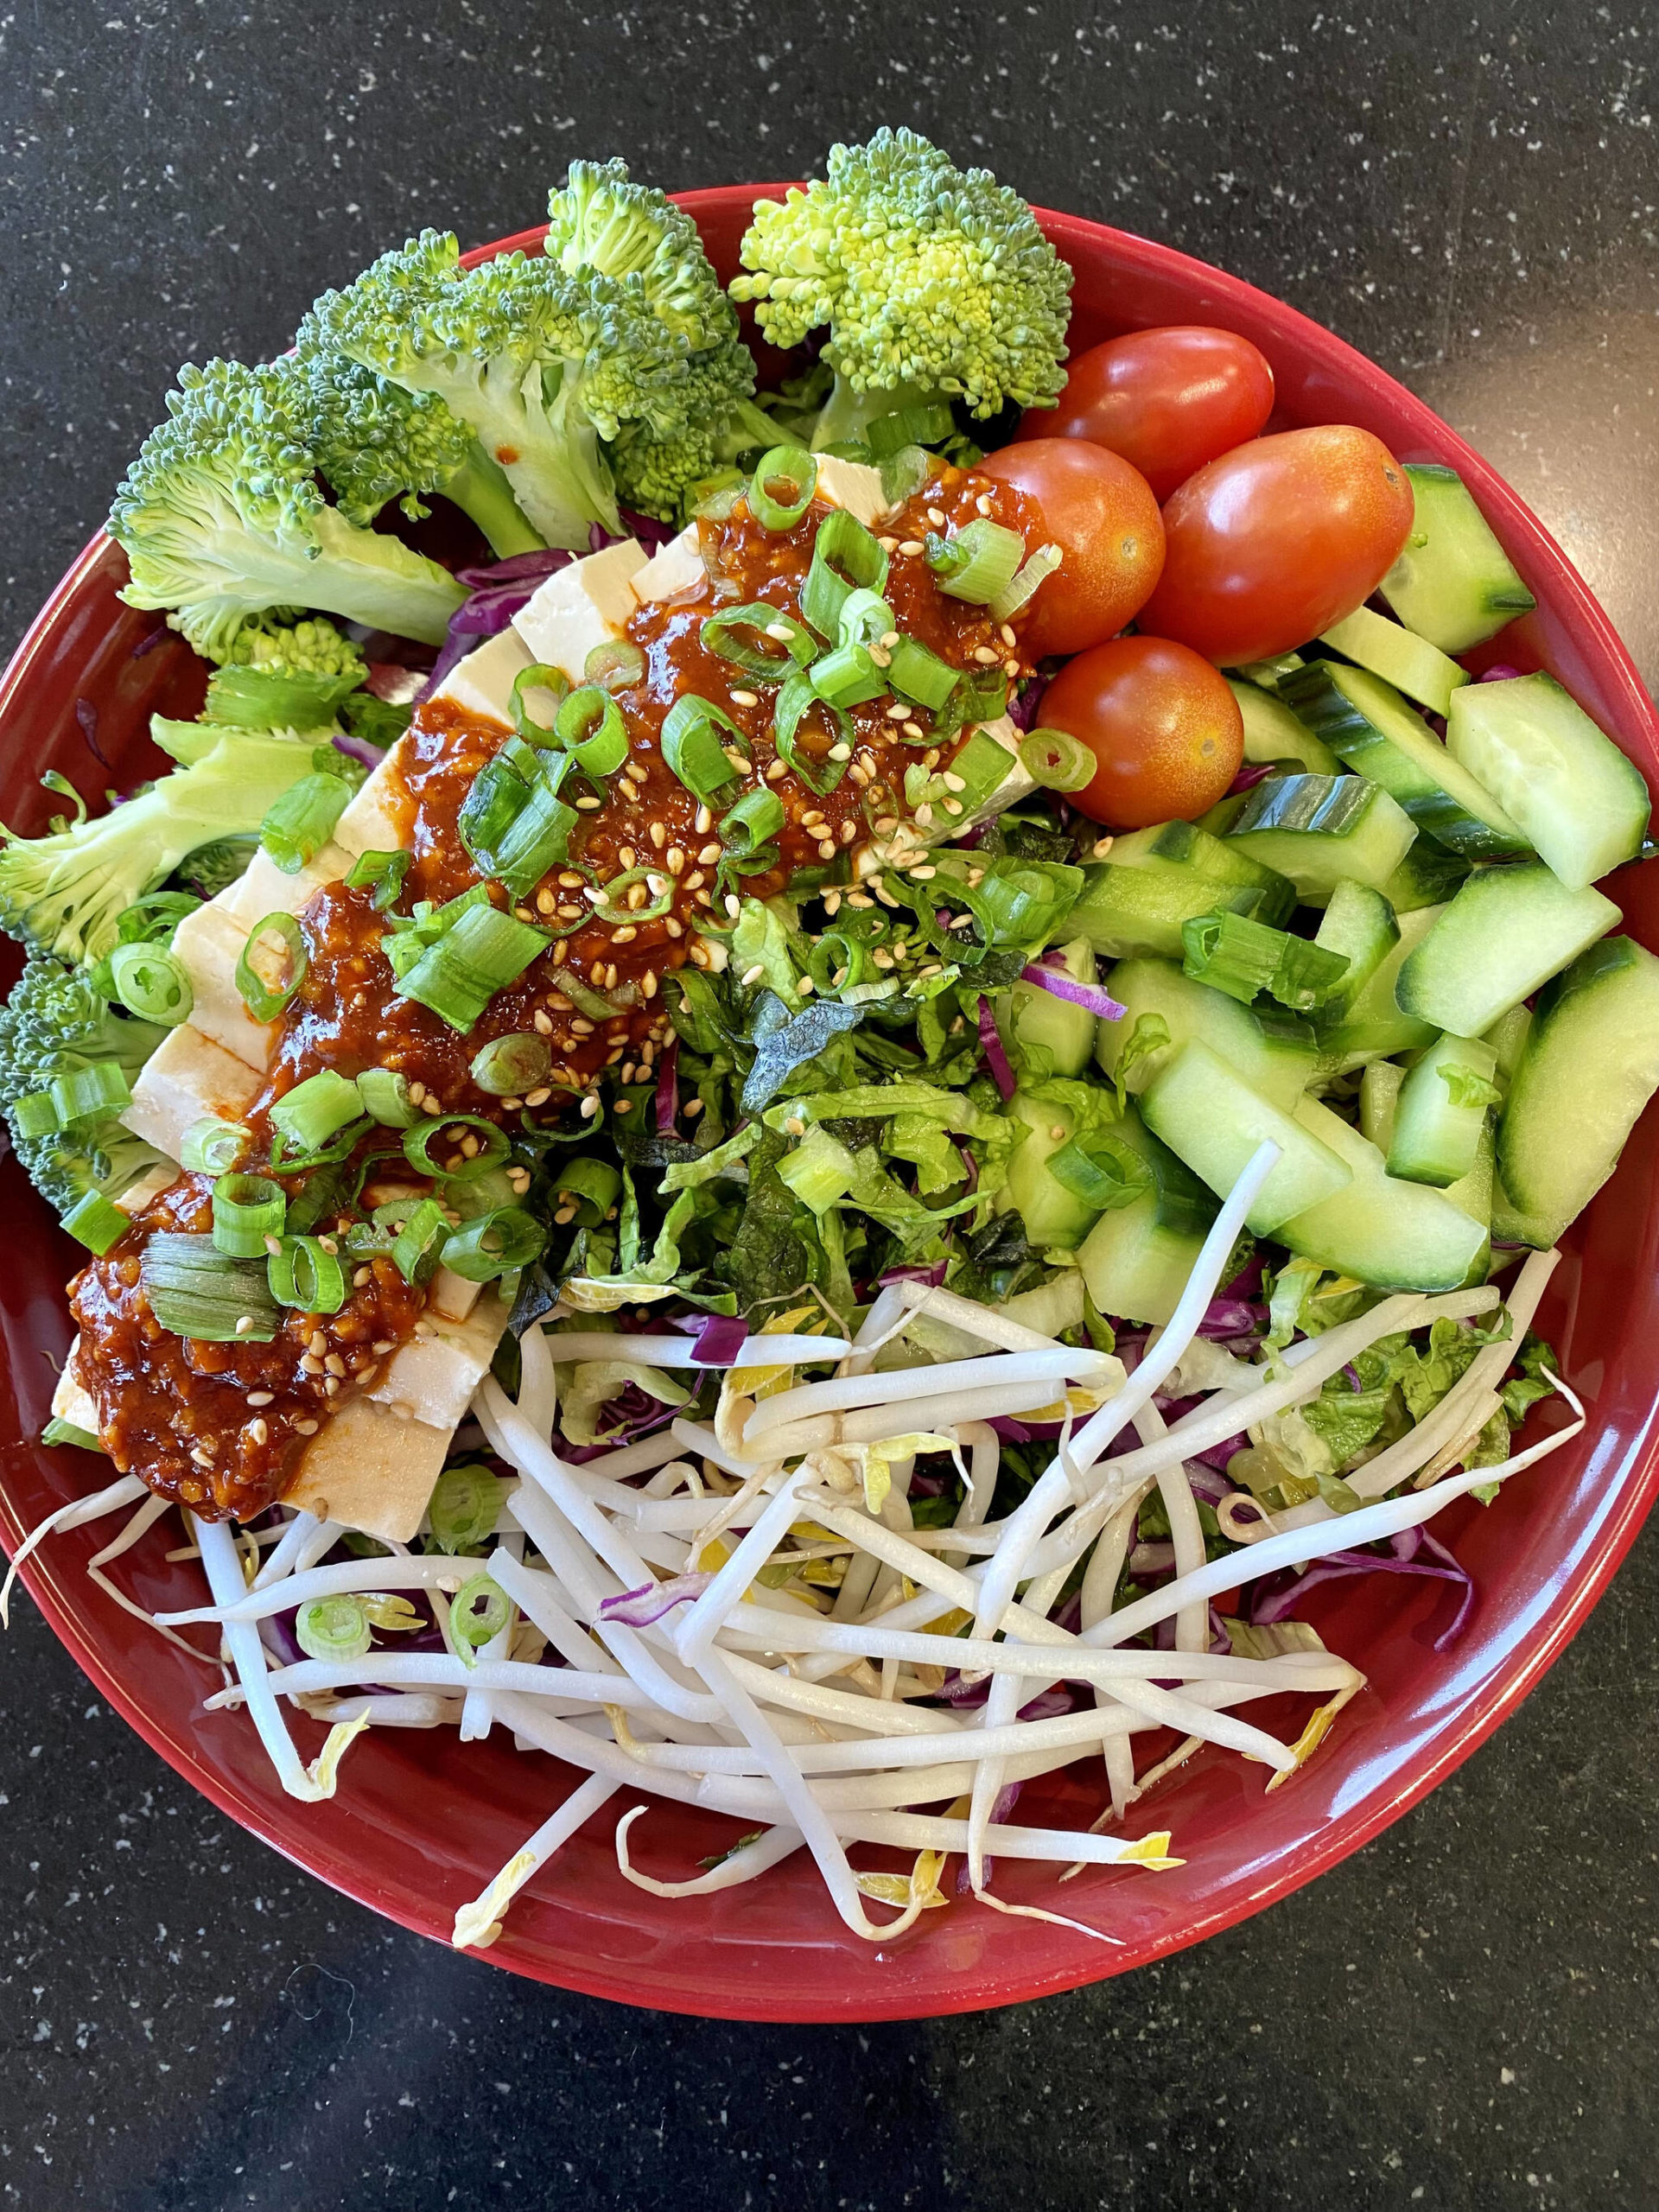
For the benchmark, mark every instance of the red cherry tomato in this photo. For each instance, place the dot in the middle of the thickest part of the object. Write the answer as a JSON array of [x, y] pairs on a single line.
[[1167, 400], [1162, 724], [1274, 542], [1105, 521]]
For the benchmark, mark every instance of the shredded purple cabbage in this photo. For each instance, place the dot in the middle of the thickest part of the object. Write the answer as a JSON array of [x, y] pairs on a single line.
[[1232, 1317], [933, 1275], [86, 716], [720, 1339], [1413, 1551], [359, 749], [991, 1045], [1499, 673], [641, 1608], [1098, 1002], [150, 641], [1252, 773], [1022, 711], [668, 1089]]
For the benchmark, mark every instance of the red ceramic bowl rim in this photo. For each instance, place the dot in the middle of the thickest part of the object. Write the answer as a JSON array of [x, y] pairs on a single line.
[[269, 1818]]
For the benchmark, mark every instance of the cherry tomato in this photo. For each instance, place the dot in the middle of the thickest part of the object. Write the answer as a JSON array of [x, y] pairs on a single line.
[[1167, 400], [1277, 540], [1105, 521], [1161, 723]]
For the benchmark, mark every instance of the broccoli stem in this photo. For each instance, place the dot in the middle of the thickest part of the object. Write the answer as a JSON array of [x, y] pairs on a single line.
[[848, 414], [480, 488]]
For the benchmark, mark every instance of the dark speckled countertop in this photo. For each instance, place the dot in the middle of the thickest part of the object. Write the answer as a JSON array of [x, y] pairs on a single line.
[[1461, 2016]]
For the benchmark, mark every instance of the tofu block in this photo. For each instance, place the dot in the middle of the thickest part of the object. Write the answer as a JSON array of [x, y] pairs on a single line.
[[852, 485], [185, 1077], [1018, 783], [150, 1184], [371, 1470], [210, 944], [377, 821], [434, 1375], [586, 605], [70, 1402], [262, 888], [482, 684], [672, 567], [452, 1295]]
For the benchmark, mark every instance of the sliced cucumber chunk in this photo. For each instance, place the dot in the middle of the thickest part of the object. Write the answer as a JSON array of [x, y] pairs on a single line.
[[1211, 1118], [1473, 1193], [1053, 1214], [1394, 1235], [1512, 1226], [1273, 1051], [1272, 732], [1508, 1039], [1359, 924], [1038, 1022], [1441, 1112], [1379, 1094], [1427, 877], [1136, 1259], [1590, 1065], [1126, 911], [1400, 656], [1584, 806], [1316, 829], [1370, 726], [1373, 1026], [1189, 847], [1270, 673], [1507, 930], [1453, 584]]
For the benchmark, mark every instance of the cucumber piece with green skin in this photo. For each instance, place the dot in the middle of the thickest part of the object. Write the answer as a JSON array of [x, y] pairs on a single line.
[[1270, 673], [1031, 1018], [1136, 1259], [1428, 876], [1359, 924], [1453, 584], [1508, 1039], [1210, 1117], [1507, 930], [1053, 1214], [1512, 1226], [1272, 732], [1402, 658], [1316, 829], [1126, 911], [1590, 1065], [1370, 727], [1379, 1094], [1584, 806], [1272, 1051], [1473, 1193], [1440, 1114], [1395, 1235], [1188, 847], [1373, 1027]]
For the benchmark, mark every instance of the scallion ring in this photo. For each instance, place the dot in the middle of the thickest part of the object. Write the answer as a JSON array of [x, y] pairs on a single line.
[[195, 1290], [211, 1146], [152, 982], [481, 954], [850, 675], [757, 816], [381, 872], [478, 1611], [263, 1000], [332, 1628], [846, 559], [865, 620], [785, 641], [1042, 564], [590, 728], [592, 1186], [464, 1507], [310, 1114], [797, 699], [247, 1209], [97, 1222], [494, 1243], [492, 1147], [976, 562], [508, 1066], [694, 739], [781, 489], [919, 675], [303, 1273], [385, 1098], [1056, 760], [540, 676], [606, 909], [615, 665], [101, 1088]]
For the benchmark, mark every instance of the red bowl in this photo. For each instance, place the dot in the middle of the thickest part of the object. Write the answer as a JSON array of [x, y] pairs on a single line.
[[421, 1821]]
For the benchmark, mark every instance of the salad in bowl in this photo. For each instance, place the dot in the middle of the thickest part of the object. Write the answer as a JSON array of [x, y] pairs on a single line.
[[810, 1084]]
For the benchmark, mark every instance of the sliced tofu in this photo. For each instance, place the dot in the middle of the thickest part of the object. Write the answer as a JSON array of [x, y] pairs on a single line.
[[672, 567], [482, 684], [149, 1184], [70, 1402], [262, 888], [586, 605], [210, 944], [372, 1470], [434, 1376], [909, 839], [853, 485], [377, 821], [452, 1295], [187, 1076]]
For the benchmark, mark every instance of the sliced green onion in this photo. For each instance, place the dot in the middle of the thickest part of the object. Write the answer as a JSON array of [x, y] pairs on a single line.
[[195, 1290], [100, 1090], [592, 1186], [590, 728], [459, 975], [616, 665], [515, 825], [1234, 954], [781, 489], [796, 699], [385, 1098], [758, 816], [848, 677], [478, 1611], [538, 677], [464, 1507], [299, 824], [303, 1273], [920, 676], [606, 910], [865, 620], [309, 1114], [35, 1115], [332, 1628], [152, 983], [1056, 760], [509, 1067], [904, 474], [1042, 563], [495, 1147], [97, 1222], [211, 1146], [262, 1001], [984, 767], [383, 872], [786, 642], [846, 559], [695, 732], [492, 1244], [419, 1242], [289, 1159], [64, 1432], [1102, 1170], [976, 562], [246, 1210], [925, 422]]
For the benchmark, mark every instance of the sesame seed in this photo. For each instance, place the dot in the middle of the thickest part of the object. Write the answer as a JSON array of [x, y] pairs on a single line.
[[1102, 846], [885, 824], [1011, 666], [806, 987], [704, 822], [588, 805], [982, 504], [692, 1107], [925, 814], [780, 631], [648, 983], [674, 928], [842, 752], [924, 875], [880, 657], [778, 767], [914, 730], [857, 899], [570, 880], [909, 545], [827, 849], [702, 898], [273, 1245], [882, 957], [305, 1429], [986, 656], [888, 545], [676, 860], [752, 975], [360, 1275], [366, 1375], [260, 1397], [596, 974], [700, 955], [812, 816], [424, 1329], [331, 1387], [569, 913], [746, 699], [560, 950], [795, 1126], [566, 1214], [954, 782], [625, 1105], [589, 1106], [206, 1458], [610, 975], [898, 712], [318, 1344], [890, 639], [544, 1023], [1007, 635], [310, 1364], [930, 758], [627, 856], [334, 1365], [859, 774], [430, 1105], [624, 935], [733, 904], [658, 835], [935, 516], [416, 1093]]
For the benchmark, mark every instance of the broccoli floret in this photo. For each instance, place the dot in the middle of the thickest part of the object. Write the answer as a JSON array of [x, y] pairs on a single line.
[[214, 867], [55, 1024], [932, 280], [307, 648], [221, 517], [66, 892]]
